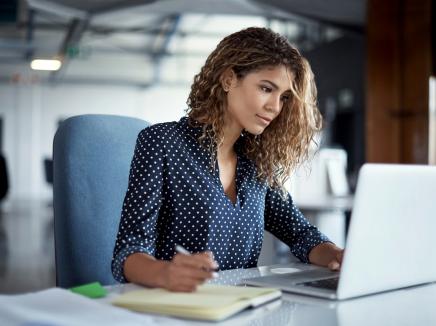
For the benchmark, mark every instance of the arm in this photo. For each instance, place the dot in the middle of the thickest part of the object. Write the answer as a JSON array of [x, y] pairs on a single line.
[[286, 222], [133, 258], [137, 228]]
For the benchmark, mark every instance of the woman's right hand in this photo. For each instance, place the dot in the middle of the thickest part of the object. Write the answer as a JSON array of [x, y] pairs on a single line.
[[185, 272]]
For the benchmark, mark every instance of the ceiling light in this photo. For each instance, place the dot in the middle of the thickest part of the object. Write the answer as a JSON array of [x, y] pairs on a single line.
[[40, 64]]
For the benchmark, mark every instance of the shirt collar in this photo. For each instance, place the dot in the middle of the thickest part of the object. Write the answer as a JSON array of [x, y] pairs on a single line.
[[195, 130], [191, 126]]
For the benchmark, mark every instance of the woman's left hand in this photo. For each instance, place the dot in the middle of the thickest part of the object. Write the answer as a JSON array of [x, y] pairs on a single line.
[[328, 255]]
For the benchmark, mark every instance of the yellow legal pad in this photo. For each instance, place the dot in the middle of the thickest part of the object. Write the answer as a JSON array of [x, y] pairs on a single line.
[[209, 302]]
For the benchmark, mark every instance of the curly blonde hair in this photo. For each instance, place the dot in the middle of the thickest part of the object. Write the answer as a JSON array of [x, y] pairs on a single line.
[[284, 144]]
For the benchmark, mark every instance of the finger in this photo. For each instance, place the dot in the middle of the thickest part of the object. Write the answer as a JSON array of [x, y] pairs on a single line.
[[202, 275], [197, 274], [182, 280], [334, 265], [186, 274], [208, 255], [189, 279], [199, 261]]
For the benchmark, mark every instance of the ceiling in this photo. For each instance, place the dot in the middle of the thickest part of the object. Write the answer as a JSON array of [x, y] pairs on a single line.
[[133, 42], [346, 13]]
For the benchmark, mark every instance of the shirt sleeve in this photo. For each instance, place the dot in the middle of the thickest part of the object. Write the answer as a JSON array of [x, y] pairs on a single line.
[[137, 228], [284, 220]]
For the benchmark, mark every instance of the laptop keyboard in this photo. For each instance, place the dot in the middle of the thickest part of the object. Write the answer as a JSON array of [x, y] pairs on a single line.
[[328, 283]]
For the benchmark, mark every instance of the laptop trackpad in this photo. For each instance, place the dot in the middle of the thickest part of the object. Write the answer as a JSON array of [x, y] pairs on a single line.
[[284, 270]]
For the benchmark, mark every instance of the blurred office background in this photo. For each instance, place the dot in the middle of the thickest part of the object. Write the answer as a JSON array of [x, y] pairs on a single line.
[[372, 62]]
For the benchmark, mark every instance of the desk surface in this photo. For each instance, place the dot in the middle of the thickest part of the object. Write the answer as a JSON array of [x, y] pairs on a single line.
[[411, 306]]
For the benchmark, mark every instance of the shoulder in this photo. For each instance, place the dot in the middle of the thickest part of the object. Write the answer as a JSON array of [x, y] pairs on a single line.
[[158, 132]]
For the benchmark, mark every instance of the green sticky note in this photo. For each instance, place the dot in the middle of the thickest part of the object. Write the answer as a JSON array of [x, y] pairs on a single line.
[[91, 290]]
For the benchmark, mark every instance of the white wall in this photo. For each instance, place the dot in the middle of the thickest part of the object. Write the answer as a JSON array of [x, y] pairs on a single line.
[[31, 113], [31, 110]]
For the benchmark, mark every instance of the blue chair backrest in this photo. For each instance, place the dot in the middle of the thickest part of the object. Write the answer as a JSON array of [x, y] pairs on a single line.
[[91, 156]]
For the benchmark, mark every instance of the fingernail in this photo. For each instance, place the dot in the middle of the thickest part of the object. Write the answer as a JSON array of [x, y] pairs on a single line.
[[214, 274]]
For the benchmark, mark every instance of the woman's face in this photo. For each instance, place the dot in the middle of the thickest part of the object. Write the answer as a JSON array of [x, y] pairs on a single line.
[[257, 99]]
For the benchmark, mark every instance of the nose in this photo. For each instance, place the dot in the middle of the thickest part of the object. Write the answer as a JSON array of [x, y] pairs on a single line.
[[274, 104]]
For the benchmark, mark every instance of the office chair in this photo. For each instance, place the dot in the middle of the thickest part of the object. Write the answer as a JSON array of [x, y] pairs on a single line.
[[91, 156]]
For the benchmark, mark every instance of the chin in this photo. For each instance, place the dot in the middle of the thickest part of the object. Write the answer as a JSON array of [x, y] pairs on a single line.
[[255, 130]]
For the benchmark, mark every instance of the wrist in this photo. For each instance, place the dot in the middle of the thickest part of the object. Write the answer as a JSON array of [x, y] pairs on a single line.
[[144, 269], [159, 272], [323, 253]]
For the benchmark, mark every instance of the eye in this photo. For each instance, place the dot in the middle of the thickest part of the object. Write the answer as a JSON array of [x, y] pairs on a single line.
[[284, 98], [266, 89]]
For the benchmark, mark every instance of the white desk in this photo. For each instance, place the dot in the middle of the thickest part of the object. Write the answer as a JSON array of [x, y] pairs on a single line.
[[411, 306]]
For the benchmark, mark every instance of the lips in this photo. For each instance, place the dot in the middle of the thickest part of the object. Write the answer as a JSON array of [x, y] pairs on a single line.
[[264, 119]]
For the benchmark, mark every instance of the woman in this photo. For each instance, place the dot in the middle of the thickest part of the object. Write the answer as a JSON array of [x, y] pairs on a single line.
[[213, 181]]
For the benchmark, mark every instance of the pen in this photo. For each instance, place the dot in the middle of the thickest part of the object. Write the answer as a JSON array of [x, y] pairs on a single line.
[[183, 251]]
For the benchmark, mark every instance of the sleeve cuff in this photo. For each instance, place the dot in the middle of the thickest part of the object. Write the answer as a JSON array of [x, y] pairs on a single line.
[[120, 258], [302, 253]]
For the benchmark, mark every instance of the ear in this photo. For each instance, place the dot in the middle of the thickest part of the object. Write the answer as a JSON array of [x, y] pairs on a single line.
[[228, 79]]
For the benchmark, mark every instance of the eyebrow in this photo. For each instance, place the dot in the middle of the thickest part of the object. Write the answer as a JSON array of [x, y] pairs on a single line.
[[274, 85]]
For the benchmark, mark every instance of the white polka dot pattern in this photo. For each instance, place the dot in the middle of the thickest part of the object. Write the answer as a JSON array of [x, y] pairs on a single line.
[[174, 197]]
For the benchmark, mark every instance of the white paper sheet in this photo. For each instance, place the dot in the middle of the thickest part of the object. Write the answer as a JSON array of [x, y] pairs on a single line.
[[55, 307]]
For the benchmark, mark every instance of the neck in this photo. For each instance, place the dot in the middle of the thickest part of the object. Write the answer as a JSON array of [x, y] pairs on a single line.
[[231, 133]]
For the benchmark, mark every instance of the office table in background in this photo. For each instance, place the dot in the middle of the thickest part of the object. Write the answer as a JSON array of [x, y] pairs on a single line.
[[331, 214], [325, 203], [410, 306]]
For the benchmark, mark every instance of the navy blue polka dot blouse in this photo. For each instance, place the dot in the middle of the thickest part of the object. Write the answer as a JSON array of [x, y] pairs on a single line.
[[175, 197]]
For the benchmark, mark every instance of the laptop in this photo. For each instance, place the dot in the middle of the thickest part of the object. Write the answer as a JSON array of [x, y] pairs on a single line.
[[391, 237]]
